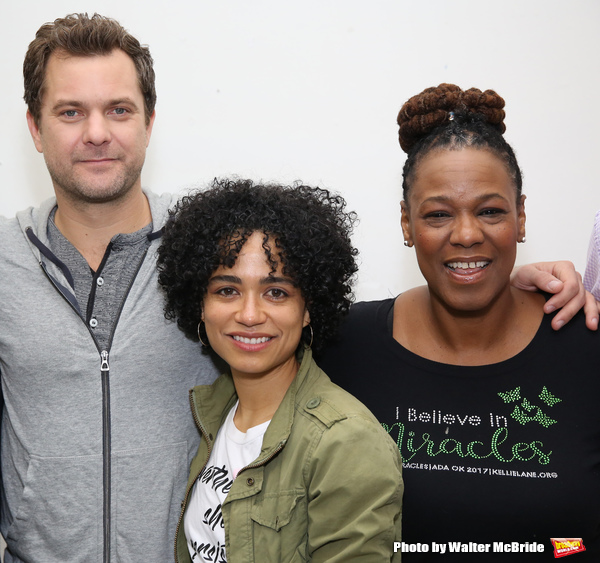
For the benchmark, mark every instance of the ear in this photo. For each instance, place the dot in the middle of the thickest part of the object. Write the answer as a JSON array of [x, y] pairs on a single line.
[[521, 217], [405, 222], [149, 128], [306, 321], [35, 132]]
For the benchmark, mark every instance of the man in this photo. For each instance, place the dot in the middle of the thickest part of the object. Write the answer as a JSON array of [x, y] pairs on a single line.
[[97, 433]]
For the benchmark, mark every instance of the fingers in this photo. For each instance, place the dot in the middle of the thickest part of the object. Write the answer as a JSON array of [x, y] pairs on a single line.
[[592, 311], [540, 276], [561, 279], [570, 299]]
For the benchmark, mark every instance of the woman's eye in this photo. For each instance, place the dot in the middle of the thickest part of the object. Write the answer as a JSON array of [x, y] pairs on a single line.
[[492, 212], [277, 293], [226, 291], [437, 215]]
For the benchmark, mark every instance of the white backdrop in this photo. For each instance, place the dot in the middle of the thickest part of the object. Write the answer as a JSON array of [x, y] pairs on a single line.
[[280, 90], [309, 90]]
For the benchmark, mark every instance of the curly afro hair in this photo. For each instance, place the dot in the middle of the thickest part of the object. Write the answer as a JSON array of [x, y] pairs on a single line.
[[307, 229], [446, 117]]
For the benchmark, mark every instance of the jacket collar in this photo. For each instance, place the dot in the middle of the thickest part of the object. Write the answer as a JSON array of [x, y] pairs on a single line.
[[34, 224], [213, 402]]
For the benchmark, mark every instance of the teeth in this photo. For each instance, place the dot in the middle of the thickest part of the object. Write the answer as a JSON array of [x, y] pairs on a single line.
[[467, 265], [252, 340]]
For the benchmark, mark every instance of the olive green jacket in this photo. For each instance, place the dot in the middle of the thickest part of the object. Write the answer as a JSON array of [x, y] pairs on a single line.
[[327, 485]]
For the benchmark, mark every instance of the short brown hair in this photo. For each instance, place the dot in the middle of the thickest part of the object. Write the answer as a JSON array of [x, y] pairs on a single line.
[[81, 35]]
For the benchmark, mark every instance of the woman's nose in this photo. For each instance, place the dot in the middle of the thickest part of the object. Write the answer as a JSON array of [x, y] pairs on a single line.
[[250, 312], [466, 231]]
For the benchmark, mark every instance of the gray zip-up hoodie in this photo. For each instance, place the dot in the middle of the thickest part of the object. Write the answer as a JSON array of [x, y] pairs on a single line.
[[95, 444]]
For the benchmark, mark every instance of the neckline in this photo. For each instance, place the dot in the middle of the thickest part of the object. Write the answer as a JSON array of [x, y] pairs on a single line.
[[385, 316], [239, 437]]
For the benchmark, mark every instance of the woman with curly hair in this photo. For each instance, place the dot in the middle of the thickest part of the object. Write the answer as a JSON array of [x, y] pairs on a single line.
[[495, 414], [291, 467]]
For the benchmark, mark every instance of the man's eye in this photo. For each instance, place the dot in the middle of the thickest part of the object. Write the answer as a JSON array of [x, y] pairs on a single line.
[[120, 111], [70, 113]]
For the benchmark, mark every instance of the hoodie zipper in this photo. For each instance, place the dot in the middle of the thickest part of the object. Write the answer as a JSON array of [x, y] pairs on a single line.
[[106, 417], [106, 451]]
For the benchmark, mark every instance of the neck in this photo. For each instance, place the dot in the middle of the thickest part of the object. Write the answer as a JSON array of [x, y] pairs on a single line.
[[490, 335], [261, 395], [89, 227], [471, 329]]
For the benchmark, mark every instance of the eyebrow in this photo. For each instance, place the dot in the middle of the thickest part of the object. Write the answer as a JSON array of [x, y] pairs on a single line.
[[445, 199], [78, 103], [264, 281]]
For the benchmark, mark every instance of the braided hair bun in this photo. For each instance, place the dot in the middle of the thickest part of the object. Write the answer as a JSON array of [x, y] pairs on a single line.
[[431, 108]]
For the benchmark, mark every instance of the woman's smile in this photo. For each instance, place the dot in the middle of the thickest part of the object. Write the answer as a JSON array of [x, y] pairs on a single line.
[[253, 340], [467, 270], [466, 267]]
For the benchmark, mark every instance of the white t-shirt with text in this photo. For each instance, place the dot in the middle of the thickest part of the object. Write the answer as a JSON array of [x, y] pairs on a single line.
[[203, 521]]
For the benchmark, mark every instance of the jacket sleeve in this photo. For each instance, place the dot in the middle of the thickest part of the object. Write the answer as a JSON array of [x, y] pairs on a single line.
[[591, 278], [354, 494]]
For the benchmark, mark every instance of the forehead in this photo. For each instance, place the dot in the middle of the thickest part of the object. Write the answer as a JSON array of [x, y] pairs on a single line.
[[254, 255], [467, 171], [95, 76], [257, 246]]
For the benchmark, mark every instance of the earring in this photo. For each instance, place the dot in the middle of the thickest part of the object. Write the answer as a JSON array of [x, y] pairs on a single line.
[[200, 337], [311, 335], [405, 243], [523, 239]]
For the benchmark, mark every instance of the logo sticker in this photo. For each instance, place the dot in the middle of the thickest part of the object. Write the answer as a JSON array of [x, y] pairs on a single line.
[[567, 546]]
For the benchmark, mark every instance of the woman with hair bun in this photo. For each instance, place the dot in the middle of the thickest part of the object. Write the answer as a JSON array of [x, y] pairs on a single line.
[[495, 414], [291, 467]]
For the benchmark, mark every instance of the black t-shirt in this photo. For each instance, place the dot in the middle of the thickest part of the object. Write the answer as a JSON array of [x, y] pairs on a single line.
[[508, 452]]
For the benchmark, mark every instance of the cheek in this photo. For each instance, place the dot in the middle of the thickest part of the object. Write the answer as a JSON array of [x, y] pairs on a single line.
[[214, 324], [59, 144], [137, 138], [506, 236], [212, 316], [293, 323], [428, 241]]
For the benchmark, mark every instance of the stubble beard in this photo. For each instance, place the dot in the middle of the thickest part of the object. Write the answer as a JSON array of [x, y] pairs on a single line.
[[83, 189]]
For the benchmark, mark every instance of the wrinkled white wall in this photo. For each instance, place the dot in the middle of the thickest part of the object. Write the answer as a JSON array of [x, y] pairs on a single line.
[[310, 90]]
